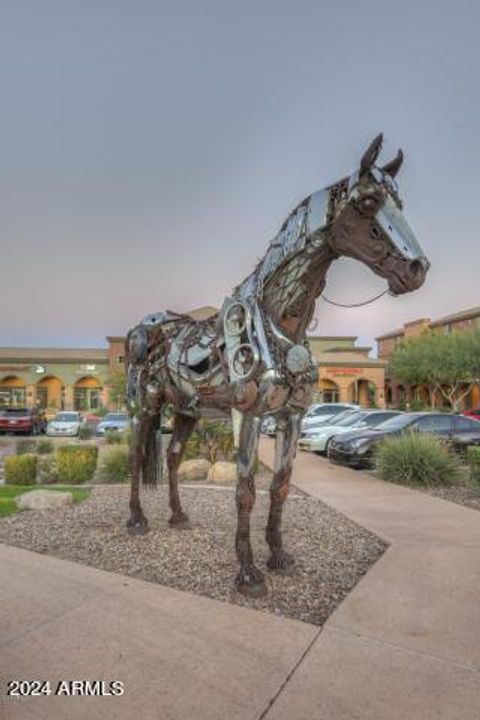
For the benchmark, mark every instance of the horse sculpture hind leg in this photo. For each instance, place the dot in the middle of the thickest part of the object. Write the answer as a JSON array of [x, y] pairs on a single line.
[[286, 440], [182, 428], [250, 580]]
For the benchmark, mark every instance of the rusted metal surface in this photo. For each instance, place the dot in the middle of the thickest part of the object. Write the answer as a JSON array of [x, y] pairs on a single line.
[[253, 356]]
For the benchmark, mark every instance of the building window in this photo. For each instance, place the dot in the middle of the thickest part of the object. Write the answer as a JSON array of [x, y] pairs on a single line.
[[120, 360], [447, 329], [13, 397], [86, 398]]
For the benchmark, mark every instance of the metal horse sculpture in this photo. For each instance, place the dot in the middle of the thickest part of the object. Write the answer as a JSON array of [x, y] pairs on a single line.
[[254, 355]]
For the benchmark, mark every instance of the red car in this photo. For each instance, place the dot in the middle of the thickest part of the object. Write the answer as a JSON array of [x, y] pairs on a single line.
[[472, 413], [29, 421]]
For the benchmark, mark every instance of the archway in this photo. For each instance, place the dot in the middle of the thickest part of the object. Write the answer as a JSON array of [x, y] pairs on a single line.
[[363, 392], [420, 397], [388, 395], [86, 393], [13, 392], [50, 393], [329, 391]]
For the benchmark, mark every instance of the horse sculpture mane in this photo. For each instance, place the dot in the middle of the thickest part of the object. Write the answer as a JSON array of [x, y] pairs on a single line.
[[253, 356]]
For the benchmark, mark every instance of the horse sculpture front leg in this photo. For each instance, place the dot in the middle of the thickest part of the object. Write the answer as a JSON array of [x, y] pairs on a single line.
[[182, 428], [285, 445], [250, 580]]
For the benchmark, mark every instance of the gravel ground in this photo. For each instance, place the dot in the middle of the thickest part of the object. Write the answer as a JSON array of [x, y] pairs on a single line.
[[460, 494], [332, 553]]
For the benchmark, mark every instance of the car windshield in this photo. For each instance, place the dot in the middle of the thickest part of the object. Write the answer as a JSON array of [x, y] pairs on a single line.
[[16, 411], [396, 423], [350, 418], [115, 416], [313, 412], [67, 417]]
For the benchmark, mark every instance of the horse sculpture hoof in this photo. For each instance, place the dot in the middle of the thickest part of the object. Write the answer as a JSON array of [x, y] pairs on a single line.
[[280, 561], [250, 582], [180, 521], [137, 527]]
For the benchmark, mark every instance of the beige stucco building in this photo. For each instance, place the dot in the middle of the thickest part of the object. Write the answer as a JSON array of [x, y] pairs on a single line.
[[347, 373], [398, 393]]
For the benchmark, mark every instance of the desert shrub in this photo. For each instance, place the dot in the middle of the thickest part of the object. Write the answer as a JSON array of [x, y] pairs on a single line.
[[47, 471], [473, 460], [113, 437], [127, 436], [20, 469], [212, 440], [114, 466], [25, 447], [85, 432], [417, 459], [44, 446], [76, 464]]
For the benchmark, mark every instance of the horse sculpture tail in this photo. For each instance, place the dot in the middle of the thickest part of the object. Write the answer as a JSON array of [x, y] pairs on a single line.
[[152, 455], [150, 450]]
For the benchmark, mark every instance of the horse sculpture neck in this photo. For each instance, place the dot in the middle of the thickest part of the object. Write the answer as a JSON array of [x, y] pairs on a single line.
[[292, 273]]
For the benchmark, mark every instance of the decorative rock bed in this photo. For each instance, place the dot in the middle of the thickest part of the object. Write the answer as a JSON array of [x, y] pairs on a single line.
[[332, 553]]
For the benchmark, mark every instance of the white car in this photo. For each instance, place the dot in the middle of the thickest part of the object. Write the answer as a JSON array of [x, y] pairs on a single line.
[[65, 424], [317, 414], [317, 439]]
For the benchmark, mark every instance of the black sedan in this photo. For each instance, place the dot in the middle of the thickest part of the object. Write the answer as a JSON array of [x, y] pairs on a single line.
[[356, 448]]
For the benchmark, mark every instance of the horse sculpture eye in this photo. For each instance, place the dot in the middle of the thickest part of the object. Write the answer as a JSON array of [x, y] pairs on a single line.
[[369, 204]]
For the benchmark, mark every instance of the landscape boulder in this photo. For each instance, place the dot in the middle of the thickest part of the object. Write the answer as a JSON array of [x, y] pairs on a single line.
[[223, 472], [43, 500], [194, 470]]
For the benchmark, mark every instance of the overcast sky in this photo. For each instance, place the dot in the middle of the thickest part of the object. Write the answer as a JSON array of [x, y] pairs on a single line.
[[151, 149]]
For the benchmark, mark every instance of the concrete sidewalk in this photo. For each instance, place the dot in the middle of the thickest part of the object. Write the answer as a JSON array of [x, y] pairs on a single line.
[[179, 655], [404, 645]]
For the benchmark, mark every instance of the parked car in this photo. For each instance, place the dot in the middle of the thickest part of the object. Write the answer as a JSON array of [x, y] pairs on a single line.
[[113, 421], [356, 448], [30, 421], [472, 413], [318, 438], [269, 425], [317, 414], [65, 424]]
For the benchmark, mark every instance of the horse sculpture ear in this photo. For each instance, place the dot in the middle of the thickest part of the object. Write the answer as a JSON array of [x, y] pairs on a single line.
[[371, 154], [394, 165]]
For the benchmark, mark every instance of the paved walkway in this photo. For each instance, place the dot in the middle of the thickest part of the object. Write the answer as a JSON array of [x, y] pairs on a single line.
[[404, 645]]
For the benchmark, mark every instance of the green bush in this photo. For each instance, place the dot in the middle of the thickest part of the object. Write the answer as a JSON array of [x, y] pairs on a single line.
[[114, 467], [417, 459], [47, 471], [20, 469], [25, 447], [85, 432], [473, 460], [76, 464], [113, 437], [44, 446], [212, 439]]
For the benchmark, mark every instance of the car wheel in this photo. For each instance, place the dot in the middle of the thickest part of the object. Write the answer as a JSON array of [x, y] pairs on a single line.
[[327, 445]]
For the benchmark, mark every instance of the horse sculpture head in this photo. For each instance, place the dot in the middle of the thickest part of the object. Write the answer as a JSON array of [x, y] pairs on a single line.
[[367, 223]]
